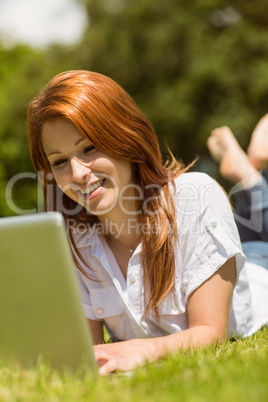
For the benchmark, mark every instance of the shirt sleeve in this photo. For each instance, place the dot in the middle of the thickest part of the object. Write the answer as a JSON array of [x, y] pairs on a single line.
[[208, 235]]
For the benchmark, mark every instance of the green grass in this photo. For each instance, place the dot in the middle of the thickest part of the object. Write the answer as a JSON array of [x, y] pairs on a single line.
[[236, 371]]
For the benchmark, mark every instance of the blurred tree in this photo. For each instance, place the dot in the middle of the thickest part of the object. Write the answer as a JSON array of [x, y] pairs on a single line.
[[23, 72], [191, 66]]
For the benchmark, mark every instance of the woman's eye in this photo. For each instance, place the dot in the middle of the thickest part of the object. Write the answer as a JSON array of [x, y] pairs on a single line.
[[89, 148], [58, 163]]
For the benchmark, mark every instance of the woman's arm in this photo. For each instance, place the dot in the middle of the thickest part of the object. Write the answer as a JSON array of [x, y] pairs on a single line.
[[208, 311], [96, 329]]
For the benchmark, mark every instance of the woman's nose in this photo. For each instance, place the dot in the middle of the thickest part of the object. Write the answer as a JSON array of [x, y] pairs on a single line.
[[79, 170]]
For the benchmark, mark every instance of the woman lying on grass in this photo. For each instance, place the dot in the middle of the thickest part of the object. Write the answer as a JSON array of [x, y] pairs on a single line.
[[158, 253]]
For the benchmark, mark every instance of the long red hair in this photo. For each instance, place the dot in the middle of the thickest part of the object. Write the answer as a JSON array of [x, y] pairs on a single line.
[[109, 118]]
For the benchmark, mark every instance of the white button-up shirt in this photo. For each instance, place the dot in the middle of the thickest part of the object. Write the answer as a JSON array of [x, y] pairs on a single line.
[[207, 239]]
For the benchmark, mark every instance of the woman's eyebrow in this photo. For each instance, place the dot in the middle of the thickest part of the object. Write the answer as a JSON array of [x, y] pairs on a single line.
[[80, 140], [53, 153], [76, 143]]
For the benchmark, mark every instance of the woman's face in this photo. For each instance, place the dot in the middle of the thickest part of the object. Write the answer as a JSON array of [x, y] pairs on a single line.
[[86, 175]]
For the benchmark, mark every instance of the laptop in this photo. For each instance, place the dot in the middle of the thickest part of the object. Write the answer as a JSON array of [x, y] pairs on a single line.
[[41, 313]]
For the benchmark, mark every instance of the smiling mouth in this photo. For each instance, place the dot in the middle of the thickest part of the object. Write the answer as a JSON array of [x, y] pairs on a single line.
[[93, 187]]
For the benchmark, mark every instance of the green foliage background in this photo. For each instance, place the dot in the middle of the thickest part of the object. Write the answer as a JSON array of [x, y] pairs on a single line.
[[190, 66]]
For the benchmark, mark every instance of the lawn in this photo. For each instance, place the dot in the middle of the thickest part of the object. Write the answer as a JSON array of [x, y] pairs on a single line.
[[236, 371]]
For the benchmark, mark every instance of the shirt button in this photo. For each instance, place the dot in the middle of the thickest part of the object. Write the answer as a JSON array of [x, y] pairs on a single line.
[[100, 311], [214, 225], [131, 281], [174, 307]]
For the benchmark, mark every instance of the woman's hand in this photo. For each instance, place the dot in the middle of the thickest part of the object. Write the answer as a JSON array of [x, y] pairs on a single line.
[[124, 356]]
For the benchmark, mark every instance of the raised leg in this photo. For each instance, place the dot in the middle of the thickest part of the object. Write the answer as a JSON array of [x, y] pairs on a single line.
[[258, 147]]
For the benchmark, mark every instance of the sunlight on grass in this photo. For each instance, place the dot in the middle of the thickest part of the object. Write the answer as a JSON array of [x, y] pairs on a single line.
[[234, 371]]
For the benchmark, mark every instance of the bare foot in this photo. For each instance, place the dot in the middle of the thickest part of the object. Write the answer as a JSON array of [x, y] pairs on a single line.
[[234, 163], [258, 147]]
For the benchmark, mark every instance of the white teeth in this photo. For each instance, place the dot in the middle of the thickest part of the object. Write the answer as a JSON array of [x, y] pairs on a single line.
[[92, 187]]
